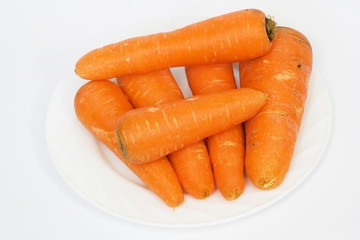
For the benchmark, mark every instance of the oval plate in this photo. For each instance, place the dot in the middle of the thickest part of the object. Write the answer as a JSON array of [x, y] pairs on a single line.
[[97, 175]]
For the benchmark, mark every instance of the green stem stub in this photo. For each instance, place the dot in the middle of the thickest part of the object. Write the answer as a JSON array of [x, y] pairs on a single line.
[[270, 26], [121, 145]]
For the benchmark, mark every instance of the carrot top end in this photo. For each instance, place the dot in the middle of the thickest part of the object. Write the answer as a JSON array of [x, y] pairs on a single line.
[[121, 145], [270, 26]]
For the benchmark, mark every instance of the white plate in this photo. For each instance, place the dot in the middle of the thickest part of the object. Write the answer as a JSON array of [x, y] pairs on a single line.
[[96, 174]]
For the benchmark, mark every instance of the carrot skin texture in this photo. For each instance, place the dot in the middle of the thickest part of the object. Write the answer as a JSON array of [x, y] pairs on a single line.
[[146, 134], [271, 135], [226, 149], [194, 170], [150, 89], [227, 154], [191, 164], [211, 78], [98, 105], [231, 37]]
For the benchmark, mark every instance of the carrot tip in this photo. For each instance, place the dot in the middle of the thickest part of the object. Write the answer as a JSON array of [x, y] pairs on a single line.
[[206, 195], [234, 195], [267, 183], [270, 26], [178, 205]]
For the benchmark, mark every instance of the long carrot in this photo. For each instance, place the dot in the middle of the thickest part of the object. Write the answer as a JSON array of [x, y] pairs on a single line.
[[270, 136], [235, 36], [226, 149], [98, 105], [146, 134], [191, 164]]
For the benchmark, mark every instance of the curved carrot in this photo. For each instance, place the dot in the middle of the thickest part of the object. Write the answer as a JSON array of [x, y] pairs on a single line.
[[226, 149], [271, 136], [191, 164], [232, 37], [98, 105], [146, 134]]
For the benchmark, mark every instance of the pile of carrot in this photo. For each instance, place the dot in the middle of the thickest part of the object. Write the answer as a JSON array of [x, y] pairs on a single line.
[[220, 133]]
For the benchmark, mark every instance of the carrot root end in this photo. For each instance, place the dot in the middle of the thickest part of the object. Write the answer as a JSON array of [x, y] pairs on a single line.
[[267, 183], [234, 194], [177, 206], [206, 195]]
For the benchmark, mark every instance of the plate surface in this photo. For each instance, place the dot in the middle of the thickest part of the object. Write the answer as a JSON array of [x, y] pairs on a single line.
[[96, 174]]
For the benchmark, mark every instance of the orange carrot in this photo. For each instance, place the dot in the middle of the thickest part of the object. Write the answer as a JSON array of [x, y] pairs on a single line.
[[150, 89], [146, 134], [191, 164], [235, 36], [226, 149], [98, 105], [270, 136], [210, 78]]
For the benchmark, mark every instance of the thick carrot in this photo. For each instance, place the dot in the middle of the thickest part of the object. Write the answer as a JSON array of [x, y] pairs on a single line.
[[146, 134], [235, 36], [191, 164], [226, 149], [98, 105], [270, 136]]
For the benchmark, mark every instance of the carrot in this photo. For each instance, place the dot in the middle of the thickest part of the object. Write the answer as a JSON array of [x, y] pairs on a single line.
[[191, 164], [210, 78], [150, 89], [231, 37], [226, 149], [146, 134], [271, 135], [98, 105]]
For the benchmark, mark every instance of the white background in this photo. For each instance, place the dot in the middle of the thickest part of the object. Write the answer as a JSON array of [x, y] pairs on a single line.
[[41, 40]]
